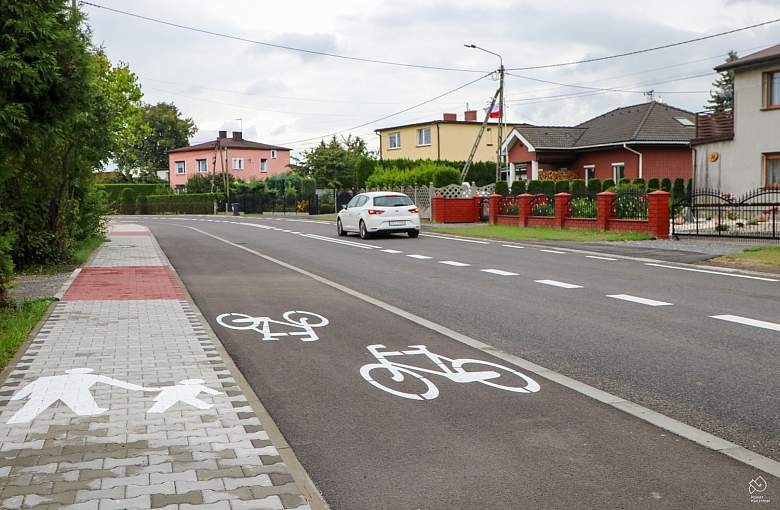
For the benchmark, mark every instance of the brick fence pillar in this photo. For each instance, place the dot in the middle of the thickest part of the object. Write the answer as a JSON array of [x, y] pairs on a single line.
[[658, 214], [437, 212], [561, 208], [493, 211], [604, 201], [524, 205]]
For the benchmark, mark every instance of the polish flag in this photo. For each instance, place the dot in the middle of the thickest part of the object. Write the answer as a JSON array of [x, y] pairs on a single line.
[[495, 112]]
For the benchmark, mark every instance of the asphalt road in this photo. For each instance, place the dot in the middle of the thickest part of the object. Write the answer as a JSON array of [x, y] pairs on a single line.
[[473, 446]]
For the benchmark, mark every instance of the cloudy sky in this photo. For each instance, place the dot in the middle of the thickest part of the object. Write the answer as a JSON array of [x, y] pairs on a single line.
[[285, 97]]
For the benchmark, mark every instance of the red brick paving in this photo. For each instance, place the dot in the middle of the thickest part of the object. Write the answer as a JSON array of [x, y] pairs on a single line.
[[124, 283]]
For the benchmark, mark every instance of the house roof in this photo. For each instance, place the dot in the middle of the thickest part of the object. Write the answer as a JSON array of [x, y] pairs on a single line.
[[230, 144], [647, 122], [760, 57]]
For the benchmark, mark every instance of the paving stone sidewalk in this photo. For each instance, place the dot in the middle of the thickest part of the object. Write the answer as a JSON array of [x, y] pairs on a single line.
[[125, 341]]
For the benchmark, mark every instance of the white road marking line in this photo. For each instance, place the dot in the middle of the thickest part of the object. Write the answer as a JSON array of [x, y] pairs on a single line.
[[453, 263], [421, 257], [748, 322], [392, 251], [749, 277], [512, 246], [336, 241], [456, 239], [562, 285], [341, 240], [598, 258], [554, 251], [499, 272], [640, 300]]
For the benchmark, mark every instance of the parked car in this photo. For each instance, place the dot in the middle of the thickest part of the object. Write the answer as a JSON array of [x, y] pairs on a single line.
[[379, 212]]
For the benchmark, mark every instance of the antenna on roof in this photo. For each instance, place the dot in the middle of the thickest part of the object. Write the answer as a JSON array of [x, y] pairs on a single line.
[[650, 95]]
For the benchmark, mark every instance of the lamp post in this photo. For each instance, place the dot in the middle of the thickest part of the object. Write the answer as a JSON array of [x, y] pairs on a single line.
[[501, 118]]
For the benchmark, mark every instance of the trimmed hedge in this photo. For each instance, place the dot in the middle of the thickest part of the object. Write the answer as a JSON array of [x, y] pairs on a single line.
[[578, 187], [562, 187], [653, 184], [534, 187], [594, 186], [518, 188], [502, 188], [114, 191], [185, 203]]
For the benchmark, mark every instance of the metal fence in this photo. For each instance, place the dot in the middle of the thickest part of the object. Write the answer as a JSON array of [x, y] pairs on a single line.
[[583, 205], [543, 205], [509, 206], [630, 204], [707, 212]]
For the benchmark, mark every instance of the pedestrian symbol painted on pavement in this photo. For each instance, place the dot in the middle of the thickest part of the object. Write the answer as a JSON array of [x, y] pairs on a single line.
[[186, 392], [296, 323], [73, 390]]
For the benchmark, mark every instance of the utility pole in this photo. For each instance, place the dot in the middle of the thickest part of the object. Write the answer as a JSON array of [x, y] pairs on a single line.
[[501, 119]]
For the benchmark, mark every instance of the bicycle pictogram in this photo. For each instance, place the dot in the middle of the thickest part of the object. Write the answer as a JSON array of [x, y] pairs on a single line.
[[456, 370], [295, 323]]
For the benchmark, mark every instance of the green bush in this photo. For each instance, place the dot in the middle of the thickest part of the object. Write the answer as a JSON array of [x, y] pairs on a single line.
[[308, 186], [653, 184], [391, 176], [578, 187], [502, 188], [666, 184], [518, 188], [92, 211], [582, 207], [595, 186], [141, 204], [7, 238], [562, 186], [608, 184], [689, 189], [678, 189], [327, 208], [630, 202], [114, 191], [624, 180], [184, 203], [127, 202], [548, 187], [639, 182], [534, 187], [280, 182]]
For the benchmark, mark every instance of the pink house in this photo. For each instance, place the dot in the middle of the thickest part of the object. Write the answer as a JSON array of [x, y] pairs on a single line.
[[244, 159]]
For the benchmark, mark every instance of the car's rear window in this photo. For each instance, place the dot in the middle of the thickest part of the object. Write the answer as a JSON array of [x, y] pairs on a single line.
[[392, 201]]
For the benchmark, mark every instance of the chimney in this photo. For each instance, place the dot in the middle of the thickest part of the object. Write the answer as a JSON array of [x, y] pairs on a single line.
[[222, 134], [450, 117], [237, 136], [470, 115]]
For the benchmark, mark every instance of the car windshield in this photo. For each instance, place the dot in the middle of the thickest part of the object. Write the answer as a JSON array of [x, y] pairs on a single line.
[[392, 201]]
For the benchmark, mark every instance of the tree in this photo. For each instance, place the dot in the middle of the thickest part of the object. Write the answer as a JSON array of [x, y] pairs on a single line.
[[722, 97], [333, 164], [156, 130]]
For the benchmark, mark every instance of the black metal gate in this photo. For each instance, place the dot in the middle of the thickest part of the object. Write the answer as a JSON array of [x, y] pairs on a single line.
[[754, 215]]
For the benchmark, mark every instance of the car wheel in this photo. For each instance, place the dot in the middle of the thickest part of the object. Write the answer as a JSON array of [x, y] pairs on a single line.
[[340, 229], [414, 233], [363, 231]]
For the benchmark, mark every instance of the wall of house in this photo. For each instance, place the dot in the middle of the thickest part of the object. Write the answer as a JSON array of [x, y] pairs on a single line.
[[251, 169], [657, 162], [449, 141], [409, 148], [718, 174]]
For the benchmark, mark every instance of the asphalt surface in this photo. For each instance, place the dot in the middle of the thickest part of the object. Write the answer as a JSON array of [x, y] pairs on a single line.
[[474, 446]]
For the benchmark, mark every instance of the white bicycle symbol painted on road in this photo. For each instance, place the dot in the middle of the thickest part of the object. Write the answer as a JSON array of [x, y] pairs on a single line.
[[456, 370], [305, 321]]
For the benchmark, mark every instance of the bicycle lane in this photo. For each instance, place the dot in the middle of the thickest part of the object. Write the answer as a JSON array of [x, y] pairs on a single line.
[[473, 446]]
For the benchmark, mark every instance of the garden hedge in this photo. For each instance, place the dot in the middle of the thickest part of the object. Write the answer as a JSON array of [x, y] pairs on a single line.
[[114, 191], [185, 203]]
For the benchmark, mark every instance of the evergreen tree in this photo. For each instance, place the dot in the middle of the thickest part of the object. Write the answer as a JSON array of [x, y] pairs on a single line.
[[722, 97]]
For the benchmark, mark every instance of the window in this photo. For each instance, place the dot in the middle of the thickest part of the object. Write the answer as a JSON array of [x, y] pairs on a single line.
[[590, 172], [273, 153], [772, 90], [395, 141], [392, 201], [238, 163], [354, 201], [424, 136], [521, 172], [264, 165], [180, 167], [362, 199], [772, 169], [618, 171], [202, 165], [685, 121]]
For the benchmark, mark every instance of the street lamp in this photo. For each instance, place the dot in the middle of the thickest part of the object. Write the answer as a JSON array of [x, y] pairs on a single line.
[[501, 118]]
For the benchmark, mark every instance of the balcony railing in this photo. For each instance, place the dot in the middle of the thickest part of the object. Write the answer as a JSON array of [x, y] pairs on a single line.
[[714, 127]]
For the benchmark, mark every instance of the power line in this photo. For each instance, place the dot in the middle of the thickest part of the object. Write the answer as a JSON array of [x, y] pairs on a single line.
[[392, 114], [280, 46], [646, 50], [605, 89]]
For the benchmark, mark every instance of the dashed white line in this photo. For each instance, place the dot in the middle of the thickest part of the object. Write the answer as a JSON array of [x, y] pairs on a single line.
[[554, 251], [749, 277], [392, 251], [563, 285], [453, 263], [499, 272], [640, 300], [748, 322], [598, 258], [339, 241], [513, 246], [456, 239], [421, 257]]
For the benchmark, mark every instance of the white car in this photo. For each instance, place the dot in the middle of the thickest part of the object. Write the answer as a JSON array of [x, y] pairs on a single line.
[[379, 212]]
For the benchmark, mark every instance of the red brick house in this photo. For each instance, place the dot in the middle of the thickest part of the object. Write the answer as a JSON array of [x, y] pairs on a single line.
[[649, 140]]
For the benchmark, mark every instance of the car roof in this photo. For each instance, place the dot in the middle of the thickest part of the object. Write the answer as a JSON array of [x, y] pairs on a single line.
[[384, 194]]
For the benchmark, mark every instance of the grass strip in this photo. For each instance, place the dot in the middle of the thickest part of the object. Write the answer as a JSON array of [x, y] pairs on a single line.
[[16, 322], [543, 233]]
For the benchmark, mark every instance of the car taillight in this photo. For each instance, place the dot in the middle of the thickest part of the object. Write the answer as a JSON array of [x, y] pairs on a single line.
[[415, 210], [375, 211]]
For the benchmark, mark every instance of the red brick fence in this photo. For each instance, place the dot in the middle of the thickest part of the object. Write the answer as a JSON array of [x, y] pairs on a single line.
[[467, 210]]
